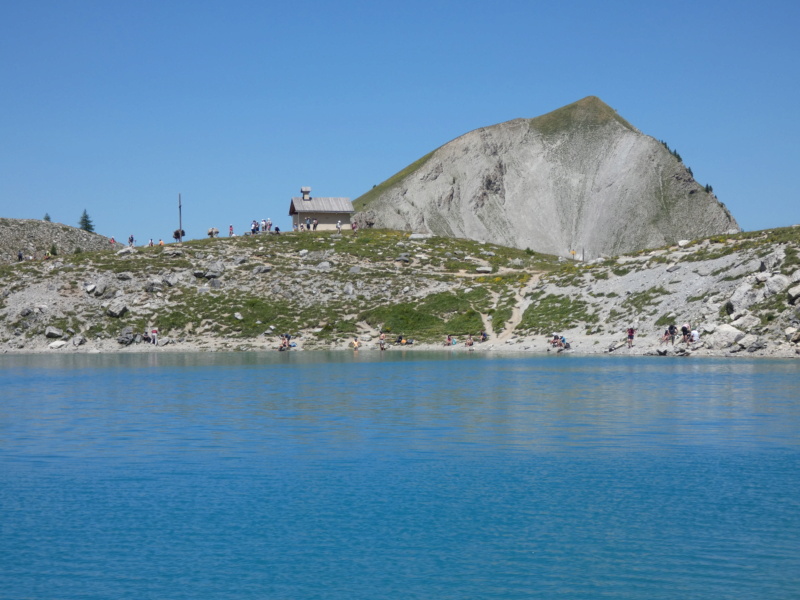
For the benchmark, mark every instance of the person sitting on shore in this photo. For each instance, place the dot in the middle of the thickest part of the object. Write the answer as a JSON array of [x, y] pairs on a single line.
[[468, 342], [664, 337], [448, 341], [484, 336], [555, 341]]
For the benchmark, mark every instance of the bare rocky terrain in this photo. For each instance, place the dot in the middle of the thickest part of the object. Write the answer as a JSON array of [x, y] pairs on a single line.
[[740, 291], [578, 179], [35, 238]]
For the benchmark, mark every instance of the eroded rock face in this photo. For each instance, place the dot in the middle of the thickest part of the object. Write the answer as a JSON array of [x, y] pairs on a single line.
[[578, 178]]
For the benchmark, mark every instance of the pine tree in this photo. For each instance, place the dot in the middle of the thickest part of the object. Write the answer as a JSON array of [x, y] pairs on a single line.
[[46, 217], [85, 222]]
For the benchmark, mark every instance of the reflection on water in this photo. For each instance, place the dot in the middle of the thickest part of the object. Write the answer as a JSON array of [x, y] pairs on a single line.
[[305, 475]]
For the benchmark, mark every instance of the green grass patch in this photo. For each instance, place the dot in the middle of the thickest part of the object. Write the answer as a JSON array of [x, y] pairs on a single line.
[[556, 313], [638, 301]]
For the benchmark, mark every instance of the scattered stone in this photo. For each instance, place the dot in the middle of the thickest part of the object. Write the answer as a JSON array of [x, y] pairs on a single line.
[[216, 284], [124, 276], [683, 243], [302, 253], [153, 285], [78, 340], [90, 288], [324, 266], [238, 316], [171, 280], [262, 269], [483, 270], [58, 344], [673, 268], [355, 270]]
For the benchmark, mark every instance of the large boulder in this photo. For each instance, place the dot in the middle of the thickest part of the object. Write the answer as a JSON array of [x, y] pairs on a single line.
[[746, 322], [776, 284], [126, 337], [53, 332], [725, 336], [117, 308], [745, 296], [794, 294]]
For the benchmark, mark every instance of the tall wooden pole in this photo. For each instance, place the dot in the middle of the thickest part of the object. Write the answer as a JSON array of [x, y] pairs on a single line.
[[180, 221]]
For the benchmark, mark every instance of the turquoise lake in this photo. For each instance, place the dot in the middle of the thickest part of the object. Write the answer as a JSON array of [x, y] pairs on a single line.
[[398, 475]]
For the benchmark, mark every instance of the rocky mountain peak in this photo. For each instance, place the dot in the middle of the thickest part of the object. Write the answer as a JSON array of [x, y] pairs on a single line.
[[580, 178]]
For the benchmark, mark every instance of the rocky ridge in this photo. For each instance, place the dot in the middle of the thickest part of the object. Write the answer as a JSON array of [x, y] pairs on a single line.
[[35, 238], [578, 179], [741, 291]]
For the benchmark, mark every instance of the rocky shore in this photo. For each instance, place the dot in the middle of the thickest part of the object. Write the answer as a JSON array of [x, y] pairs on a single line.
[[740, 292]]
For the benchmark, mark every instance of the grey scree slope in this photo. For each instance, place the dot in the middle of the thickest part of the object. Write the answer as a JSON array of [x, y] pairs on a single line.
[[579, 178]]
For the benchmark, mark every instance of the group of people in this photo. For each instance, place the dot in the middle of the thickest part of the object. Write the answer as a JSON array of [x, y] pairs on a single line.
[[469, 341], [256, 227], [559, 341], [285, 342], [689, 334], [308, 225], [132, 242]]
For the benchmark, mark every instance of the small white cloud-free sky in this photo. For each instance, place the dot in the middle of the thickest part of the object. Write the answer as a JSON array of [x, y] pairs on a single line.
[[117, 107]]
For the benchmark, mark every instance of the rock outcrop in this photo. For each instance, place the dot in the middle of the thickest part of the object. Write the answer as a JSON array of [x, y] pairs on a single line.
[[578, 179], [35, 238]]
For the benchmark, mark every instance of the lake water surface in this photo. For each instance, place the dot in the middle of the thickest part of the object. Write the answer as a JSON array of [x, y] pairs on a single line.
[[437, 476]]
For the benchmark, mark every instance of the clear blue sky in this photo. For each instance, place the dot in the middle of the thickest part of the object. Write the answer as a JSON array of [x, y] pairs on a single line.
[[118, 106]]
